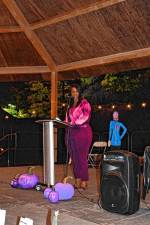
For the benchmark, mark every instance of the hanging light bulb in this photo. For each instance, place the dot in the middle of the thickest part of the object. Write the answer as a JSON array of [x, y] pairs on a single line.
[[63, 104], [113, 106]]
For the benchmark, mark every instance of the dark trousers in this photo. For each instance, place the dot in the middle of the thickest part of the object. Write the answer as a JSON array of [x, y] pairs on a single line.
[[78, 143]]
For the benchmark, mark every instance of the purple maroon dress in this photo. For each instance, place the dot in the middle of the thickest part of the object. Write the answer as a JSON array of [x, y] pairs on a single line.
[[79, 138]]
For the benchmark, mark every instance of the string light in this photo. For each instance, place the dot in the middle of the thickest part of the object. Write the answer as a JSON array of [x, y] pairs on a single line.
[[113, 106], [143, 104], [63, 104], [129, 106], [33, 112], [99, 107]]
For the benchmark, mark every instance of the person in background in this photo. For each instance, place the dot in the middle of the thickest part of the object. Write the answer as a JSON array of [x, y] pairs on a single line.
[[79, 135], [116, 132]]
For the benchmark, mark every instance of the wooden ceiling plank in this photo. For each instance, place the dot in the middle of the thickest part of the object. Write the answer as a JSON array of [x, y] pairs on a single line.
[[31, 35], [119, 57], [24, 70], [10, 29], [74, 13]]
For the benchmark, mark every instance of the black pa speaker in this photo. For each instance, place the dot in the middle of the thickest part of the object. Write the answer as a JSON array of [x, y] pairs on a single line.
[[120, 182]]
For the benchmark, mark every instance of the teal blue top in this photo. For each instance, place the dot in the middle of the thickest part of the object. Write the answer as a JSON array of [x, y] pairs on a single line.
[[115, 134]]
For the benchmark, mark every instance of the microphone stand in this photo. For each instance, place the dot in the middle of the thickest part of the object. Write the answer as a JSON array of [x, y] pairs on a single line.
[[67, 137]]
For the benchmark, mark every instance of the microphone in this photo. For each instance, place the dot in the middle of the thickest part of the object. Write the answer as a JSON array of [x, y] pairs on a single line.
[[69, 101]]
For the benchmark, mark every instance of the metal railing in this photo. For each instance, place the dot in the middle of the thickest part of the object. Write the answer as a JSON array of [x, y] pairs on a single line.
[[8, 143], [16, 144]]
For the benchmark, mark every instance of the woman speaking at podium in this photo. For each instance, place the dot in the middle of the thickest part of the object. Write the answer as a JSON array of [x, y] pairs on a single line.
[[79, 135]]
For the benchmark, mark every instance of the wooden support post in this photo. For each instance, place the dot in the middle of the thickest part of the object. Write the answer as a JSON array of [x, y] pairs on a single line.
[[18, 219], [24, 220], [54, 93], [48, 219]]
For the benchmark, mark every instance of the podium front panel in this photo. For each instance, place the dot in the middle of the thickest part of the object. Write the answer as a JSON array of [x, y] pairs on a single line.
[[48, 152], [48, 148]]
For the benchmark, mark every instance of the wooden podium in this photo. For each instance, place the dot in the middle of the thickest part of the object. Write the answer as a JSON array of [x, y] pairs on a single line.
[[48, 148]]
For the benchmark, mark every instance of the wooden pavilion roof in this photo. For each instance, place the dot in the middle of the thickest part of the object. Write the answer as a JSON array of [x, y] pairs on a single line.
[[74, 37]]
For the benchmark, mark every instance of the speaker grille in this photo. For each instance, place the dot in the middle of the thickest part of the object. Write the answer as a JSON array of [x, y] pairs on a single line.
[[114, 193], [119, 190]]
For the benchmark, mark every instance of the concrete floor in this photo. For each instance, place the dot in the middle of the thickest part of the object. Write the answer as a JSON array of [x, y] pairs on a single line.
[[82, 209]]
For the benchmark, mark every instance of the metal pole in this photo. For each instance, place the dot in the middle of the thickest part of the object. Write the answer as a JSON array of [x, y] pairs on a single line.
[[48, 152]]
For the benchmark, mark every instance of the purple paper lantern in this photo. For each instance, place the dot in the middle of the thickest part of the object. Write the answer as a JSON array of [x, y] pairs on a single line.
[[53, 197], [47, 192]]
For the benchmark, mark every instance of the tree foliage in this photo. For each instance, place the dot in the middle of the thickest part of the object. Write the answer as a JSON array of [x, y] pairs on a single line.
[[38, 99], [120, 83], [32, 99], [18, 113]]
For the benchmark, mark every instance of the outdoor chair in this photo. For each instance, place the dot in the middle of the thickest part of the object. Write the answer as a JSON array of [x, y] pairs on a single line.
[[95, 156]]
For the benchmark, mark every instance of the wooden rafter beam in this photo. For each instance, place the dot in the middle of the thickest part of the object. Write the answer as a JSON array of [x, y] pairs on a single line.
[[10, 29], [80, 11], [77, 12], [110, 59], [104, 60], [68, 76], [54, 94], [31, 35], [24, 70]]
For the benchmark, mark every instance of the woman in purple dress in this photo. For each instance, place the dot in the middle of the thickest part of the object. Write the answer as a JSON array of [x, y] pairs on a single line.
[[79, 136]]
